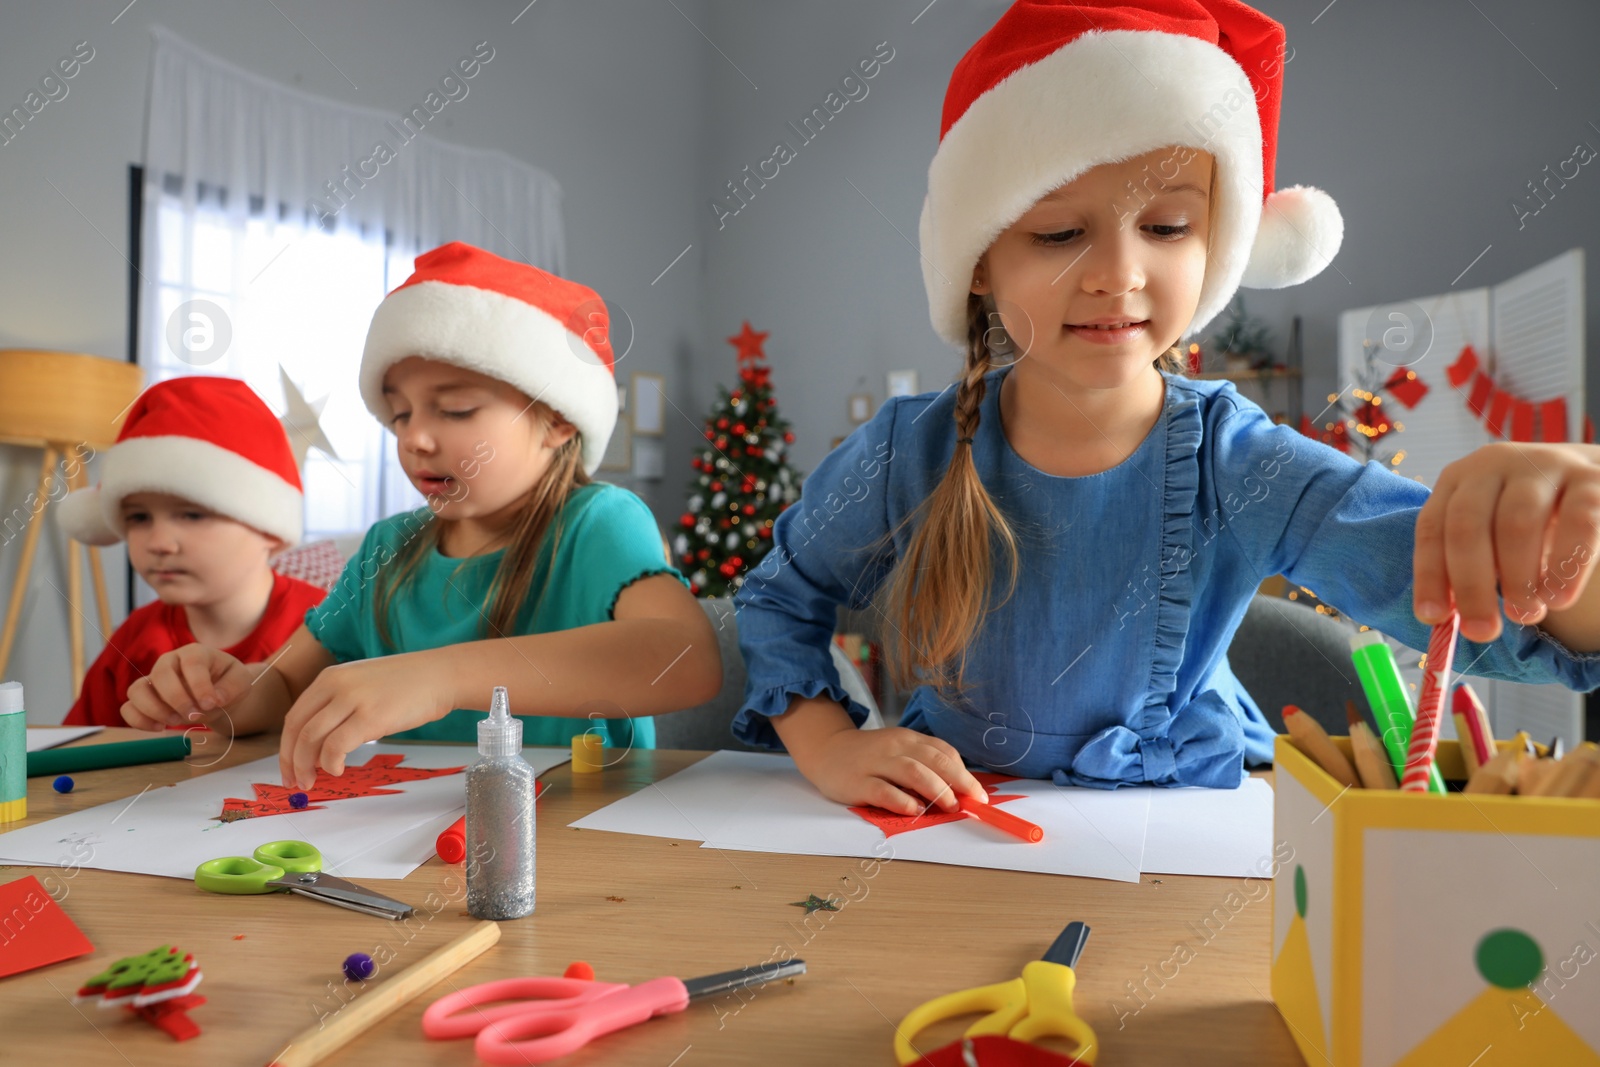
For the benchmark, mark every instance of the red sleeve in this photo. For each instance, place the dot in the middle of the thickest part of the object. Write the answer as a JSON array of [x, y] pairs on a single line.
[[105, 689]]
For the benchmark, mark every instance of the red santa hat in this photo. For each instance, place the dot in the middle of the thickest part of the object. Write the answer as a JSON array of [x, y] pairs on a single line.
[[546, 336], [1059, 86], [208, 440]]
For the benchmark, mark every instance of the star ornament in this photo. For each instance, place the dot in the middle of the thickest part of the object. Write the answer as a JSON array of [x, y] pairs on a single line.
[[749, 342], [301, 422], [815, 903]]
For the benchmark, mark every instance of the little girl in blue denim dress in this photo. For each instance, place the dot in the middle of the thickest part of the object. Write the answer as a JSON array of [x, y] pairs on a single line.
[[1063, 542]]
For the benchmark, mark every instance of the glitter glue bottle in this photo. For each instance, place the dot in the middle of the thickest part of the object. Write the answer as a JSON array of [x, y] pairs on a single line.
[[13, 753], [500, 795]]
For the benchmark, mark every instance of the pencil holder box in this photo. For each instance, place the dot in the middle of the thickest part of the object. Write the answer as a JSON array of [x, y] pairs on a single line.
[[1413, 929]]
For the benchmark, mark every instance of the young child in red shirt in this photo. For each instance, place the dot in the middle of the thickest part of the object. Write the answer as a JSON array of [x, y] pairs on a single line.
[[203, 486]]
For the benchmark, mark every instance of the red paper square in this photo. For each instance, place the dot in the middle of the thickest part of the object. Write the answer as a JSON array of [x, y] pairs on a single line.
[[34, 931], [1499, 408], [1406, 387], [1465, 366], [1553, 420], [1522, 420], [1478, 399]]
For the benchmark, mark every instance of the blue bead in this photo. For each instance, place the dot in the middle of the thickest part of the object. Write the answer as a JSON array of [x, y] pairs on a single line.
[[298, 800], [358, 966], [63, 784]]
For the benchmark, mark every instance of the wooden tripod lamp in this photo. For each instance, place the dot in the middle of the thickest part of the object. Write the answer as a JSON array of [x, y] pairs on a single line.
[[71, 406]]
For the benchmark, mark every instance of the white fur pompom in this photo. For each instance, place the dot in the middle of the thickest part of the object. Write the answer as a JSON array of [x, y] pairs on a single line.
[[79, 514], [1300, 233]]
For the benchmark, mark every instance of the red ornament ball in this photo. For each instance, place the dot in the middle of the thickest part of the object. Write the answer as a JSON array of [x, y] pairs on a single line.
[[686, 519], [749, 509]]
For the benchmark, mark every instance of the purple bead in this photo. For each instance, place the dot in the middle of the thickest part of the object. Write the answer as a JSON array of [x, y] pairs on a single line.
[[298, 800], [358, 967]]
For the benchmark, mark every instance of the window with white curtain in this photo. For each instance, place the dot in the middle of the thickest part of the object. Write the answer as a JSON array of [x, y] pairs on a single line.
[[259, 302], [251, 201]]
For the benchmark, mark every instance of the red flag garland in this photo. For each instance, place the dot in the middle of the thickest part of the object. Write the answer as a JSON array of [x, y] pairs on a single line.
[[1503, 411]]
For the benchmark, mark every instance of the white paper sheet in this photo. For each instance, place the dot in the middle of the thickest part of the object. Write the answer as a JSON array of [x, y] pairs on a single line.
[[755, 802], [758, 802], [1226, 832], [43, 737], [171, 830]]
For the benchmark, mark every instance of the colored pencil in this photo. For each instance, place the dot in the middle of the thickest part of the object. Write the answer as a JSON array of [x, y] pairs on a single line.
[[1477, 739], [1313, 740], [1573, 773], [1499, 775], [1001, 819], [1371, 762], [1419, 769]]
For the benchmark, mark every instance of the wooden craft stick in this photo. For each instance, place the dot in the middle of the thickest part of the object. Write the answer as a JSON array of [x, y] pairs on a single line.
[[1499, 775], [361, 1014], [1372, 763], [1313, 740], [1572, 774]]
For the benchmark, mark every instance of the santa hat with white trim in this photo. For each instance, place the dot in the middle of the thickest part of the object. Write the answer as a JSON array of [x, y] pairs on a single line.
[[1059, 86], [546, 336], [211, 441]]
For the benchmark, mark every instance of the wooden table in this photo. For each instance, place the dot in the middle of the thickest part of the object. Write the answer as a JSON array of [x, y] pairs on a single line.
[[640, 907]]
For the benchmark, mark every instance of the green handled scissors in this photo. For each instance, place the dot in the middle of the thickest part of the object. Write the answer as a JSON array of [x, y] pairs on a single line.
[[1038, 1004], [293, 867]]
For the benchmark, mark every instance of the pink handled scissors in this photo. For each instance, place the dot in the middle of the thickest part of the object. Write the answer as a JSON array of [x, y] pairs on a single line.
[[561, 1015]]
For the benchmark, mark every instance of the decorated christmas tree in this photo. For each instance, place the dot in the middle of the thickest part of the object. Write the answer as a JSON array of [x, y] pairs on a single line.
[[742, 478]]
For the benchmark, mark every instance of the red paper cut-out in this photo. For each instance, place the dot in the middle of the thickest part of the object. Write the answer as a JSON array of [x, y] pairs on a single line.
[[366, 780], [1406, 387], [892, 823]]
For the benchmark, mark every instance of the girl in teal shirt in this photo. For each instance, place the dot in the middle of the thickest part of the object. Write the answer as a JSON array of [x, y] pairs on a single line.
[[497, 381]]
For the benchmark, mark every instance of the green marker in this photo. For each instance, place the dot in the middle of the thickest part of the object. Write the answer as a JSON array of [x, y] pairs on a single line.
[[1391, 705]]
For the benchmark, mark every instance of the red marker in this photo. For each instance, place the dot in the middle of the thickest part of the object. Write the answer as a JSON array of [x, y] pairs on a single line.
[[1001, 819], [452, 844], [1425, 733]]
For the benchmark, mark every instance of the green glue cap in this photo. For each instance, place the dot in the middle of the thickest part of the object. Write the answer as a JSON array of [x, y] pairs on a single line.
[[500, 733]]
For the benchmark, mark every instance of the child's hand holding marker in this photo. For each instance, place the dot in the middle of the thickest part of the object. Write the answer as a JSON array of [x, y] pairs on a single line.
[[1525, 518], [891, 768]]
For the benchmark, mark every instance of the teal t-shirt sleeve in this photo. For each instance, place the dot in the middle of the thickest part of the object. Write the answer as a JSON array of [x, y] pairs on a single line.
[[336, 622], [613, 544]]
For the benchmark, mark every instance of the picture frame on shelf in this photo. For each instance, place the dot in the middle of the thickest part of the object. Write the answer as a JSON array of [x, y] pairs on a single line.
[[900, 383], [860, 407]]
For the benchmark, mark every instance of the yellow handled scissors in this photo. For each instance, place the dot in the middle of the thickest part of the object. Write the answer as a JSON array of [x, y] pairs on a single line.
[[1038, 1004]]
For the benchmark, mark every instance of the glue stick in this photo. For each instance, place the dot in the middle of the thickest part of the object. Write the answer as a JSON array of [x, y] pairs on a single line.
[[13, 753], [500, 797]]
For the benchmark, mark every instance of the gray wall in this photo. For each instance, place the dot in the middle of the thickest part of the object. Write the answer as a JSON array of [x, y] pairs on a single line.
[[1423, 120]]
